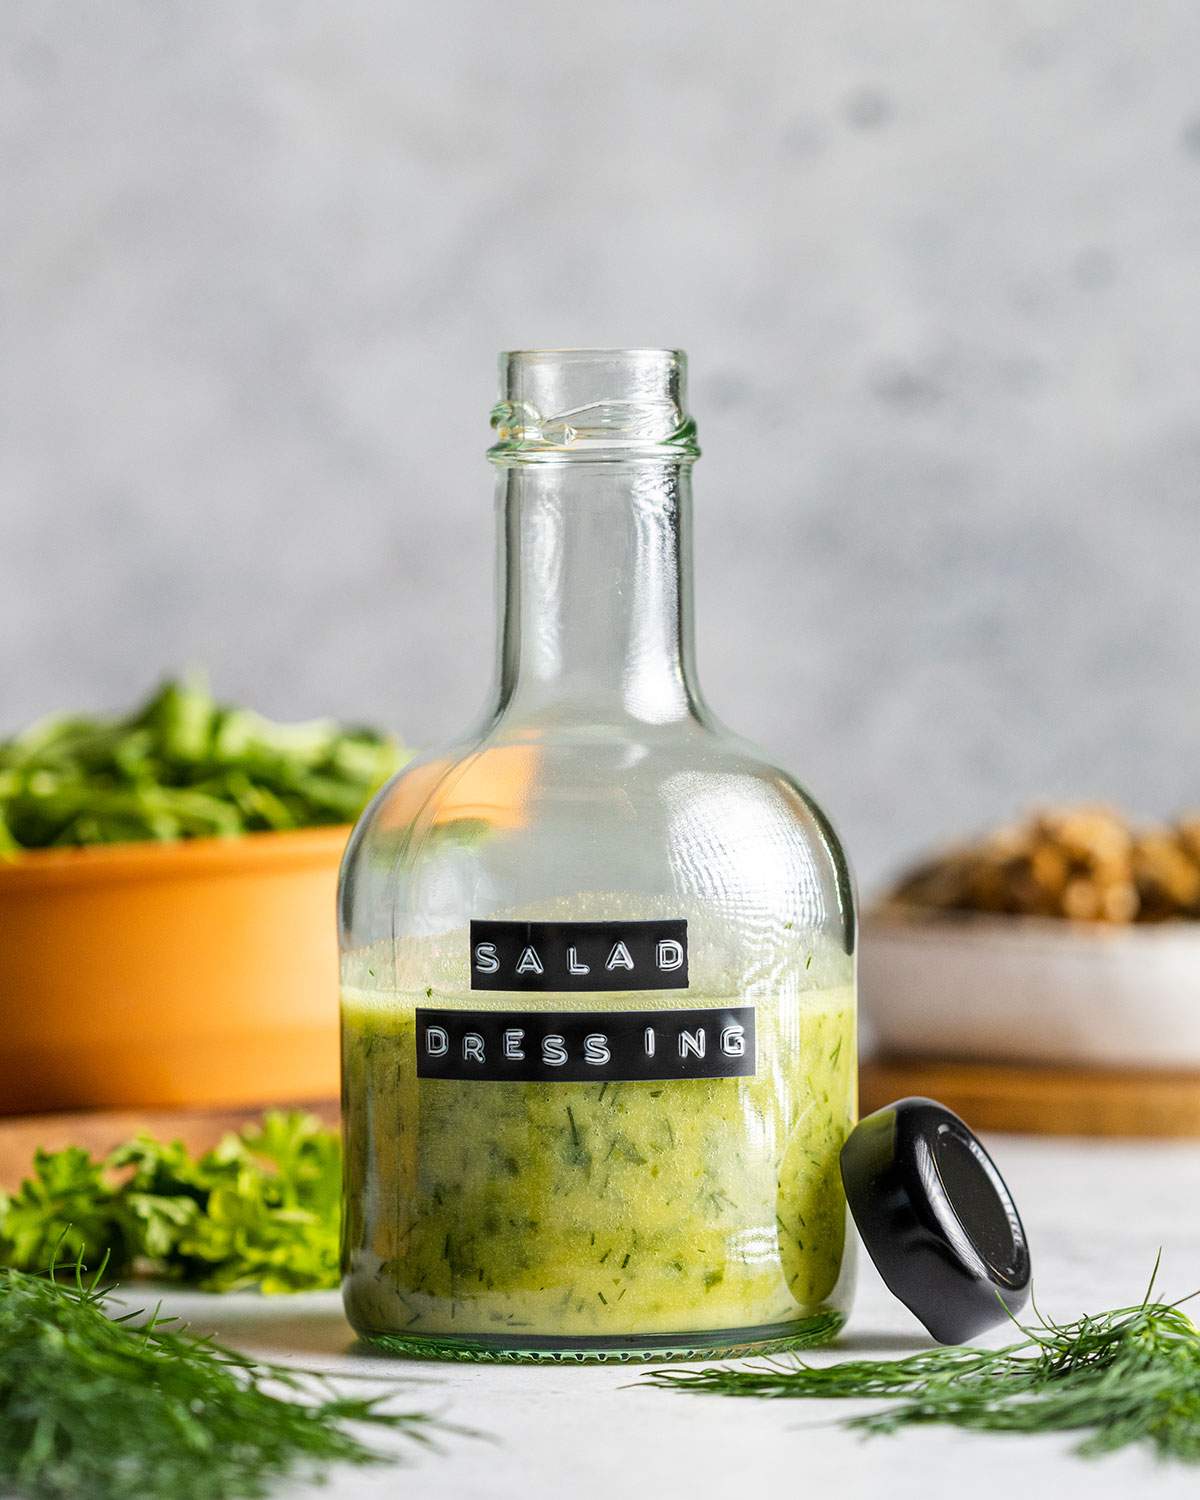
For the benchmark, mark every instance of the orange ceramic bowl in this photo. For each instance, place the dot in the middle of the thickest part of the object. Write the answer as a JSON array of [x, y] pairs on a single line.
[[182, 975]]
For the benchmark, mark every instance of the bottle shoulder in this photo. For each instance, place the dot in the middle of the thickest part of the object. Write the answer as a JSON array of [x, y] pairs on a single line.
[[519, 817], [511, 777]]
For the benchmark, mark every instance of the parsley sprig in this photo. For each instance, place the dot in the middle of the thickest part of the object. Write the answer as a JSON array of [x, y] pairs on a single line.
[[260, 1209]]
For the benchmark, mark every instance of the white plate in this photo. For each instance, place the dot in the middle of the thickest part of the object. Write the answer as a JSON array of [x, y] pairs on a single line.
[[1032, 989]]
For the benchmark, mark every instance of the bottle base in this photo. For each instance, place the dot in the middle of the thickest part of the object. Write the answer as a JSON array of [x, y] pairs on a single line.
[[726, 1343]]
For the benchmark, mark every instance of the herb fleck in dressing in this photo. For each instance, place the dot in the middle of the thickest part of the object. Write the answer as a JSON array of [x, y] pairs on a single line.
[[602, 1208]]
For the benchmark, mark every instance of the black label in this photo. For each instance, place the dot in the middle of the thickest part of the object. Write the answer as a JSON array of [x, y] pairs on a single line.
[[548, 1046], [579, 955]]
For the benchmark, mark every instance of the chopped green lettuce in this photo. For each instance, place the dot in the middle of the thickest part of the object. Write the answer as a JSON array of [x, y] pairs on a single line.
[[183, 766]]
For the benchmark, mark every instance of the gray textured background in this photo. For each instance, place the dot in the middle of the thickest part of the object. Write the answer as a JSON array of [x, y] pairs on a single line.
[[937, 268]]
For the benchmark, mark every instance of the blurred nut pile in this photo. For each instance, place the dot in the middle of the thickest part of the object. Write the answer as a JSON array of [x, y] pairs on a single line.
[[1086, 863]]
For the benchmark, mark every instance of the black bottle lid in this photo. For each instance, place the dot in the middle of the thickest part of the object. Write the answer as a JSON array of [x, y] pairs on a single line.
[[936, 1218]]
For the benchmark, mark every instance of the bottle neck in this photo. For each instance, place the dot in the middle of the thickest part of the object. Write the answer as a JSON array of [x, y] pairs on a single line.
[[595, 591]]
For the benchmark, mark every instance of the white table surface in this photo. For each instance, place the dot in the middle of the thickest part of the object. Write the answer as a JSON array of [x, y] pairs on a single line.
[[1095, 1212]]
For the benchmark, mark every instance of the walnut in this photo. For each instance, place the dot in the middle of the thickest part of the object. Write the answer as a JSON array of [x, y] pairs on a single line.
[[1085, 863]]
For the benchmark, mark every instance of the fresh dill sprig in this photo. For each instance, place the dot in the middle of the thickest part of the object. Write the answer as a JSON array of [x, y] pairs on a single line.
[[108, 1407], [1127, 1376]]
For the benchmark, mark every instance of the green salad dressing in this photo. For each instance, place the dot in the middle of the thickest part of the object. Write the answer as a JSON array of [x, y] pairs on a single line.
[[594, 1209]]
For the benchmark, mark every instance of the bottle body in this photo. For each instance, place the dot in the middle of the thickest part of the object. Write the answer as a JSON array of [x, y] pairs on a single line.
[[598, 989]]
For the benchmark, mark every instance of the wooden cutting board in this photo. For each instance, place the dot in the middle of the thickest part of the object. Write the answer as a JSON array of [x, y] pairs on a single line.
[[98, 1131], [1042, 1100], [989, 1096]]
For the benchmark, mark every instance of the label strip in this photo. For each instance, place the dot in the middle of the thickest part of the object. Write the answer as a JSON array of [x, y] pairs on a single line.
[[586, 1046], [566, 956]]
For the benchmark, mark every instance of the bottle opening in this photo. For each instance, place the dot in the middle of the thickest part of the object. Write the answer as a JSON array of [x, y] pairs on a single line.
[[597, 404]]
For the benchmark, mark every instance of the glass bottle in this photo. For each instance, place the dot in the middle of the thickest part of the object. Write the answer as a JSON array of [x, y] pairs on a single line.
[[597, 955]]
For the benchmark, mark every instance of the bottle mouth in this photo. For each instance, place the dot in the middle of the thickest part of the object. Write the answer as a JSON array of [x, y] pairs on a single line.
[[602, 405]]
